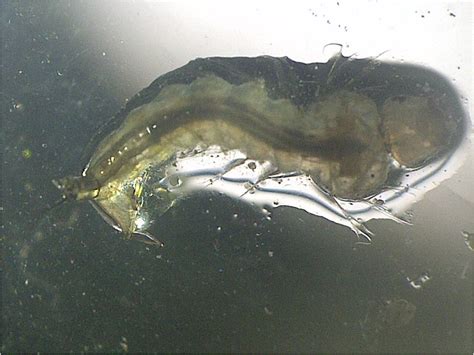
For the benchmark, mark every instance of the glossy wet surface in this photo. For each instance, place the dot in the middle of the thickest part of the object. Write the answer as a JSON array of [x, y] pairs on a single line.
[[325, 133]]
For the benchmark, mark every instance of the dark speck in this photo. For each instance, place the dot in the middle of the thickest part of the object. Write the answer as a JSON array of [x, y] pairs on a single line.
[[452, 15], [400, 98]]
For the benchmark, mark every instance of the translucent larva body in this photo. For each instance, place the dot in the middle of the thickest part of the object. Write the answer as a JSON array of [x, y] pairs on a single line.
[[352, 126]]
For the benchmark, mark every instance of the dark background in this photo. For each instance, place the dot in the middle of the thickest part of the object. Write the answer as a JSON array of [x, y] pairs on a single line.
[[292, 283]]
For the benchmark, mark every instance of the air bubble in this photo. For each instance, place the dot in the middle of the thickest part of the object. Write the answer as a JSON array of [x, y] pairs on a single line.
[[419, 281], [252, 165], [18, 106], [175, 181], [334, 49], [468, 239], [378, 202]]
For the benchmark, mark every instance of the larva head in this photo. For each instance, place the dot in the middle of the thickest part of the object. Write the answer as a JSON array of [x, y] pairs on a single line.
[[77, 188]]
